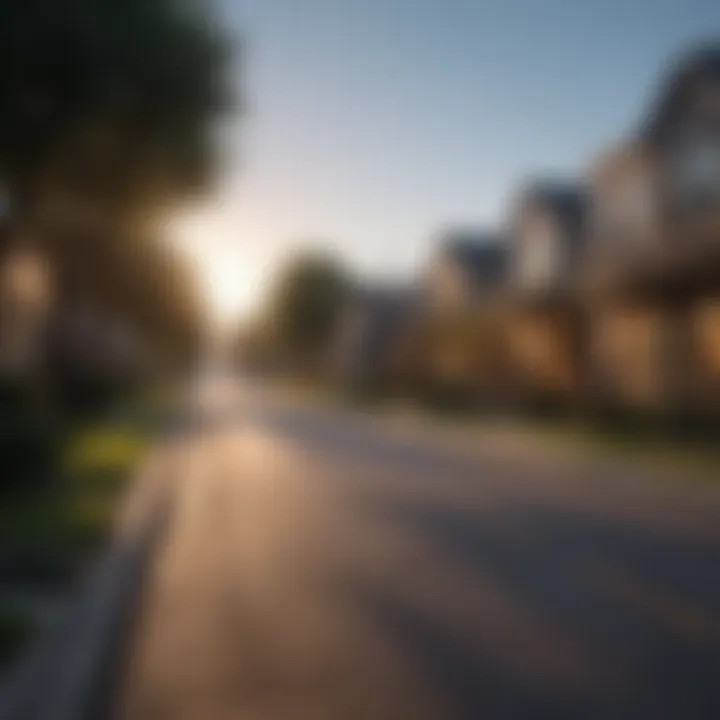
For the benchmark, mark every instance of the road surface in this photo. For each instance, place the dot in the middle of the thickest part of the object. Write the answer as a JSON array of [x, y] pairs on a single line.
[[323, 566]]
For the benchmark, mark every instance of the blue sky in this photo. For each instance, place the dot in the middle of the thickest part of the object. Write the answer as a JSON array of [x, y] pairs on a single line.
[[371, 124]]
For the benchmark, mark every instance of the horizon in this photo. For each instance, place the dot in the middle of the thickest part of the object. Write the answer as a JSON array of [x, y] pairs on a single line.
[[368, 130]]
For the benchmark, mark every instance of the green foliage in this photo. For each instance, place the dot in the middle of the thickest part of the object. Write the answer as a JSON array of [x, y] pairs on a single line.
[[108, 104], [98, 453], [307, 301], [139, 285], [156, 287], [46, 533], [108, 118]]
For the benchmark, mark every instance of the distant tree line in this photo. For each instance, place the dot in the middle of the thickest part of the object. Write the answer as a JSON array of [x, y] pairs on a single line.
[[298, 319]]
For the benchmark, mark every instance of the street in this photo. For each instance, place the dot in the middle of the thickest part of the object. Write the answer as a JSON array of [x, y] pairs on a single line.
[[323, 565]]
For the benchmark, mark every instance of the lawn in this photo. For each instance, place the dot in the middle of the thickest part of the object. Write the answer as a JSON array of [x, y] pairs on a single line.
[[679, 454], [676, 456]]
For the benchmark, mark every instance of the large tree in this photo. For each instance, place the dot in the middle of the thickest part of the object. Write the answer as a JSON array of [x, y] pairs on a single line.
[[107, 106], [108, 115]]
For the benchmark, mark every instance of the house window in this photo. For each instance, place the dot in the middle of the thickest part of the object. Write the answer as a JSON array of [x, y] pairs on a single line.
[[538, 254]]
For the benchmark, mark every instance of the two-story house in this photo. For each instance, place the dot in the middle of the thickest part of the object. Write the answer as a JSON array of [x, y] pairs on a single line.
[[545, 331], [654, 249], [630, 330], [684, 130], [462, 344], [468, 267]]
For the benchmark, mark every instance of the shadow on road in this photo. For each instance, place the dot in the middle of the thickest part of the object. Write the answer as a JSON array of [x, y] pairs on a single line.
[[644, 605]]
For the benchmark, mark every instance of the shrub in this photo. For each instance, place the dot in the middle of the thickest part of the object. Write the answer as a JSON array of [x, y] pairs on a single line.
[[30, 448]]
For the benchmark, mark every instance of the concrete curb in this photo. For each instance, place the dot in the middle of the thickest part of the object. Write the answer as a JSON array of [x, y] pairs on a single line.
[[61, 678]]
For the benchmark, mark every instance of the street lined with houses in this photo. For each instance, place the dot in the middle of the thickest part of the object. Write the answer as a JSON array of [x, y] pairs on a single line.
[[419, 422]]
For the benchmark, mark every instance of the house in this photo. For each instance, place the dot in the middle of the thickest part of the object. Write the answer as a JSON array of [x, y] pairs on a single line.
[[459, 342], [469, 267], [366, 350], [684, 130], [630, 330], [652, 277], [545, 330], [625, 224], [547, 239]]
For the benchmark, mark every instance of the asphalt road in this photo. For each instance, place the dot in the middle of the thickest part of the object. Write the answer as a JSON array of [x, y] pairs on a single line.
[[320, 566]]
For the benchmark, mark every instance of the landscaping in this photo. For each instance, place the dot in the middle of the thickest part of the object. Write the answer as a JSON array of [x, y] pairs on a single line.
[[688, 453], [62, 486]]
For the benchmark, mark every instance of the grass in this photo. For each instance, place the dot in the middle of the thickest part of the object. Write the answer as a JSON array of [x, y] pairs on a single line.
[[16, 629], [98, 464], [684, 456], [654, 447], [46, 533], [679, 451], [53, 523]]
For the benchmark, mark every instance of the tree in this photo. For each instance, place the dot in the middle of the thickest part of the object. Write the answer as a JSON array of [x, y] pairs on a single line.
[[108, 111], [306, 302], [107, 106], [119, 329]]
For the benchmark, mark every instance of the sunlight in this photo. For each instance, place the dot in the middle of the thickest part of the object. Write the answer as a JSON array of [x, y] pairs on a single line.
[[230, 287], [228, 270]]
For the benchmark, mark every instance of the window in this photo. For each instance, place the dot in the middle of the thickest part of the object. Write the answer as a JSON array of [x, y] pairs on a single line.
[[538, 261]]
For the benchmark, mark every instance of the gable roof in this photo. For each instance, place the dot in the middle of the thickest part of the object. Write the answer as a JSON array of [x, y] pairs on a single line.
[[699, 64], [567, 201], [483, 254]]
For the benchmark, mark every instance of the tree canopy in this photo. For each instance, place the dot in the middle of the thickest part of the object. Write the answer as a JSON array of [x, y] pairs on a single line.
[[108, 117], [306, 302], [107, 106]]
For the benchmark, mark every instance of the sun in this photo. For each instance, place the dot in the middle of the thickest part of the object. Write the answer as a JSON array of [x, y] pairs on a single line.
[[227, 270], [229, 287]]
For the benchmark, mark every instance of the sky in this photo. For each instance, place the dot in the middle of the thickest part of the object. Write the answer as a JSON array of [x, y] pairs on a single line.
[[371, 125]]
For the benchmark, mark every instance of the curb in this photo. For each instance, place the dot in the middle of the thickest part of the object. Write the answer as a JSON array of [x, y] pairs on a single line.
[[62, 677]]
